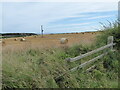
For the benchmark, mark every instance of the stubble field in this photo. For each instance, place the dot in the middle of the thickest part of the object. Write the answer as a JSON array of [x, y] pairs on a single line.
[[49, 41]]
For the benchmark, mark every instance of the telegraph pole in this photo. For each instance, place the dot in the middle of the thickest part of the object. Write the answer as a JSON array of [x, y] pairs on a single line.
[[42, 30]]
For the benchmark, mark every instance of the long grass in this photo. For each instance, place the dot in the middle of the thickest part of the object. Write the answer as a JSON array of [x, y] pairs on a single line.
[[38, 68]]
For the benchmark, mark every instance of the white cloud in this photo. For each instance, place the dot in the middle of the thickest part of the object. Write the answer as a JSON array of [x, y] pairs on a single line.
[[28, 16], [70, 10], [97, 17], [68, 25], [72, 16]]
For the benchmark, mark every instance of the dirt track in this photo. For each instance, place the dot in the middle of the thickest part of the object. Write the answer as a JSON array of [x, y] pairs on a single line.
[[49, 41]]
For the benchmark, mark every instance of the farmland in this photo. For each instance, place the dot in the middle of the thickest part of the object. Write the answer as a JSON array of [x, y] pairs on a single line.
[[37, 62], [50, 40]]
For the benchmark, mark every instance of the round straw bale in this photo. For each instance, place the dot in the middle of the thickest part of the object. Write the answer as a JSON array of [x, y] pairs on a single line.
[[63, 40], [22, 39]]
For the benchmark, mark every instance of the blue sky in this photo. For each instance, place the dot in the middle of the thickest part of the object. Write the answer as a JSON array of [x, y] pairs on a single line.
[[56, 17]]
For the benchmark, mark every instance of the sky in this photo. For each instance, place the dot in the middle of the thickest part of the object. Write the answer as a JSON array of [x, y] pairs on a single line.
[[56, 17]]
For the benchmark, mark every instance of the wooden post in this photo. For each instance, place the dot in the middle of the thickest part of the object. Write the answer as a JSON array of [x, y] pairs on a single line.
[[110, 41], [42, 30]]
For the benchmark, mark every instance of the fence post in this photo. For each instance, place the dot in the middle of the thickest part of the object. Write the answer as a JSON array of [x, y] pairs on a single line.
[[110, 41]]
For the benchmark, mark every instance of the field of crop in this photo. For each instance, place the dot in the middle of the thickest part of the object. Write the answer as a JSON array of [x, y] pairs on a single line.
[[49, 41]]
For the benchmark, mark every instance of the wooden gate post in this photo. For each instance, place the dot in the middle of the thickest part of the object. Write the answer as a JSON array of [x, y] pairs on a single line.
[[110, 41]]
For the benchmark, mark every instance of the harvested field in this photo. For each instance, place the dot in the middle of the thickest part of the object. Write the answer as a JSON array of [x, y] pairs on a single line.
[[49, 41]]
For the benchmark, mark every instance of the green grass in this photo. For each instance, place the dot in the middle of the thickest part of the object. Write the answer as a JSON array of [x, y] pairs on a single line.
[[38, 68]]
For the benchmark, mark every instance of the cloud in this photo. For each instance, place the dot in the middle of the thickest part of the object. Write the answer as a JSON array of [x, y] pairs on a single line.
[[90, 18], [27, 17], [69, 25]]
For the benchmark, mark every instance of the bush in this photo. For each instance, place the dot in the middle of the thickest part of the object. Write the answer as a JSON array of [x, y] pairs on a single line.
[[112, 29], [111, 61]]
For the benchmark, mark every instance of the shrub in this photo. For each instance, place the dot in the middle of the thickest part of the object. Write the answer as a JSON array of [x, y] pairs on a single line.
[[112, 29], [111, 61]]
